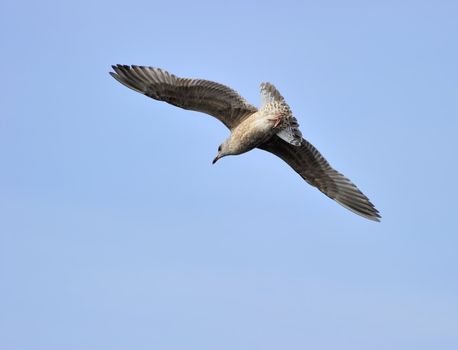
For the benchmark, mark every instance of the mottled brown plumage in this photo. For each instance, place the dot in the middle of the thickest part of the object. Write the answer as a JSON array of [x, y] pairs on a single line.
[[272, 128]]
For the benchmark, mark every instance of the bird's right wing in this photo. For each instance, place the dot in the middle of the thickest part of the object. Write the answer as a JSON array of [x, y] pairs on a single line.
[[199, 95], [308, 162]]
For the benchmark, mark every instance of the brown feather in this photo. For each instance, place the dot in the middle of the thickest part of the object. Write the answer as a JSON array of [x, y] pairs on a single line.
[[199, 95], [308, 162]]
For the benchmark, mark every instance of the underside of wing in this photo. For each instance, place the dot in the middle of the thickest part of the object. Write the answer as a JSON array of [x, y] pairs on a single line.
[[307, 161], [199, 95]]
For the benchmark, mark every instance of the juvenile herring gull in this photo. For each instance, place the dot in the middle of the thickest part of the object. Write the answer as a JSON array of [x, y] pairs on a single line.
[[272, 127]]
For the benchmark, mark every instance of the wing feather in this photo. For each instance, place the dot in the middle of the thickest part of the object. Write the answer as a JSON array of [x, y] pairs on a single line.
[[308, 162], [199, 95]]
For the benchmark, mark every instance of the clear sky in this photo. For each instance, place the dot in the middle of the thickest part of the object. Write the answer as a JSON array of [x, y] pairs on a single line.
[[116, 232]]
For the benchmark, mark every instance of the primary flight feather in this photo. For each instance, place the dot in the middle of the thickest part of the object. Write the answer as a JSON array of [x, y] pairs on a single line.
[[272, 127]]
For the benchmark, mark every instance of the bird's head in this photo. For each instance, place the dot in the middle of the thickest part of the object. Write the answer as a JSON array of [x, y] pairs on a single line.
[[223, 150]]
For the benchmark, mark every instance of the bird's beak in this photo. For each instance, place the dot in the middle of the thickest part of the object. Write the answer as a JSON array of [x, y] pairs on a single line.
[[216, 159]]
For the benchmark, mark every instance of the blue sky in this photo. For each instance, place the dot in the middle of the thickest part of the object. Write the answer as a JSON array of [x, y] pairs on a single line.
[[116, 231]]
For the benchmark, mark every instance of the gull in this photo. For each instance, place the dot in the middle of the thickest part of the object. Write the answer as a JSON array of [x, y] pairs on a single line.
[[271, 128]]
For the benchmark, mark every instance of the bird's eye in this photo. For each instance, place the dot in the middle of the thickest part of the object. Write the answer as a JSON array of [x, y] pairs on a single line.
[[219, 148]]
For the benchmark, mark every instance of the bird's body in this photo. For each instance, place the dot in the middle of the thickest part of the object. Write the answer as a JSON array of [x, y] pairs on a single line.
[[252, 132], [272, 127]]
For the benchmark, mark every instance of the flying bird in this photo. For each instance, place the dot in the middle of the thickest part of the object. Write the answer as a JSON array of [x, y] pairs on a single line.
[[272, 127]]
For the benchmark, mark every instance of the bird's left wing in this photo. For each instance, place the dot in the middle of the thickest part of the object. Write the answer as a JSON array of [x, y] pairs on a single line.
[[308, 162], [199, 95]]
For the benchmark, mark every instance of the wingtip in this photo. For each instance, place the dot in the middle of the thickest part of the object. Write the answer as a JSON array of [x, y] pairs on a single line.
[[376, 218], [372, 214], [115, 68], [372, 217]]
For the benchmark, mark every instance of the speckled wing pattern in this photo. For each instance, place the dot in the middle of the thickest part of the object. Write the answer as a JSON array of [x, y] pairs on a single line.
[[199, 95], [272, 100], [308, 162]]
